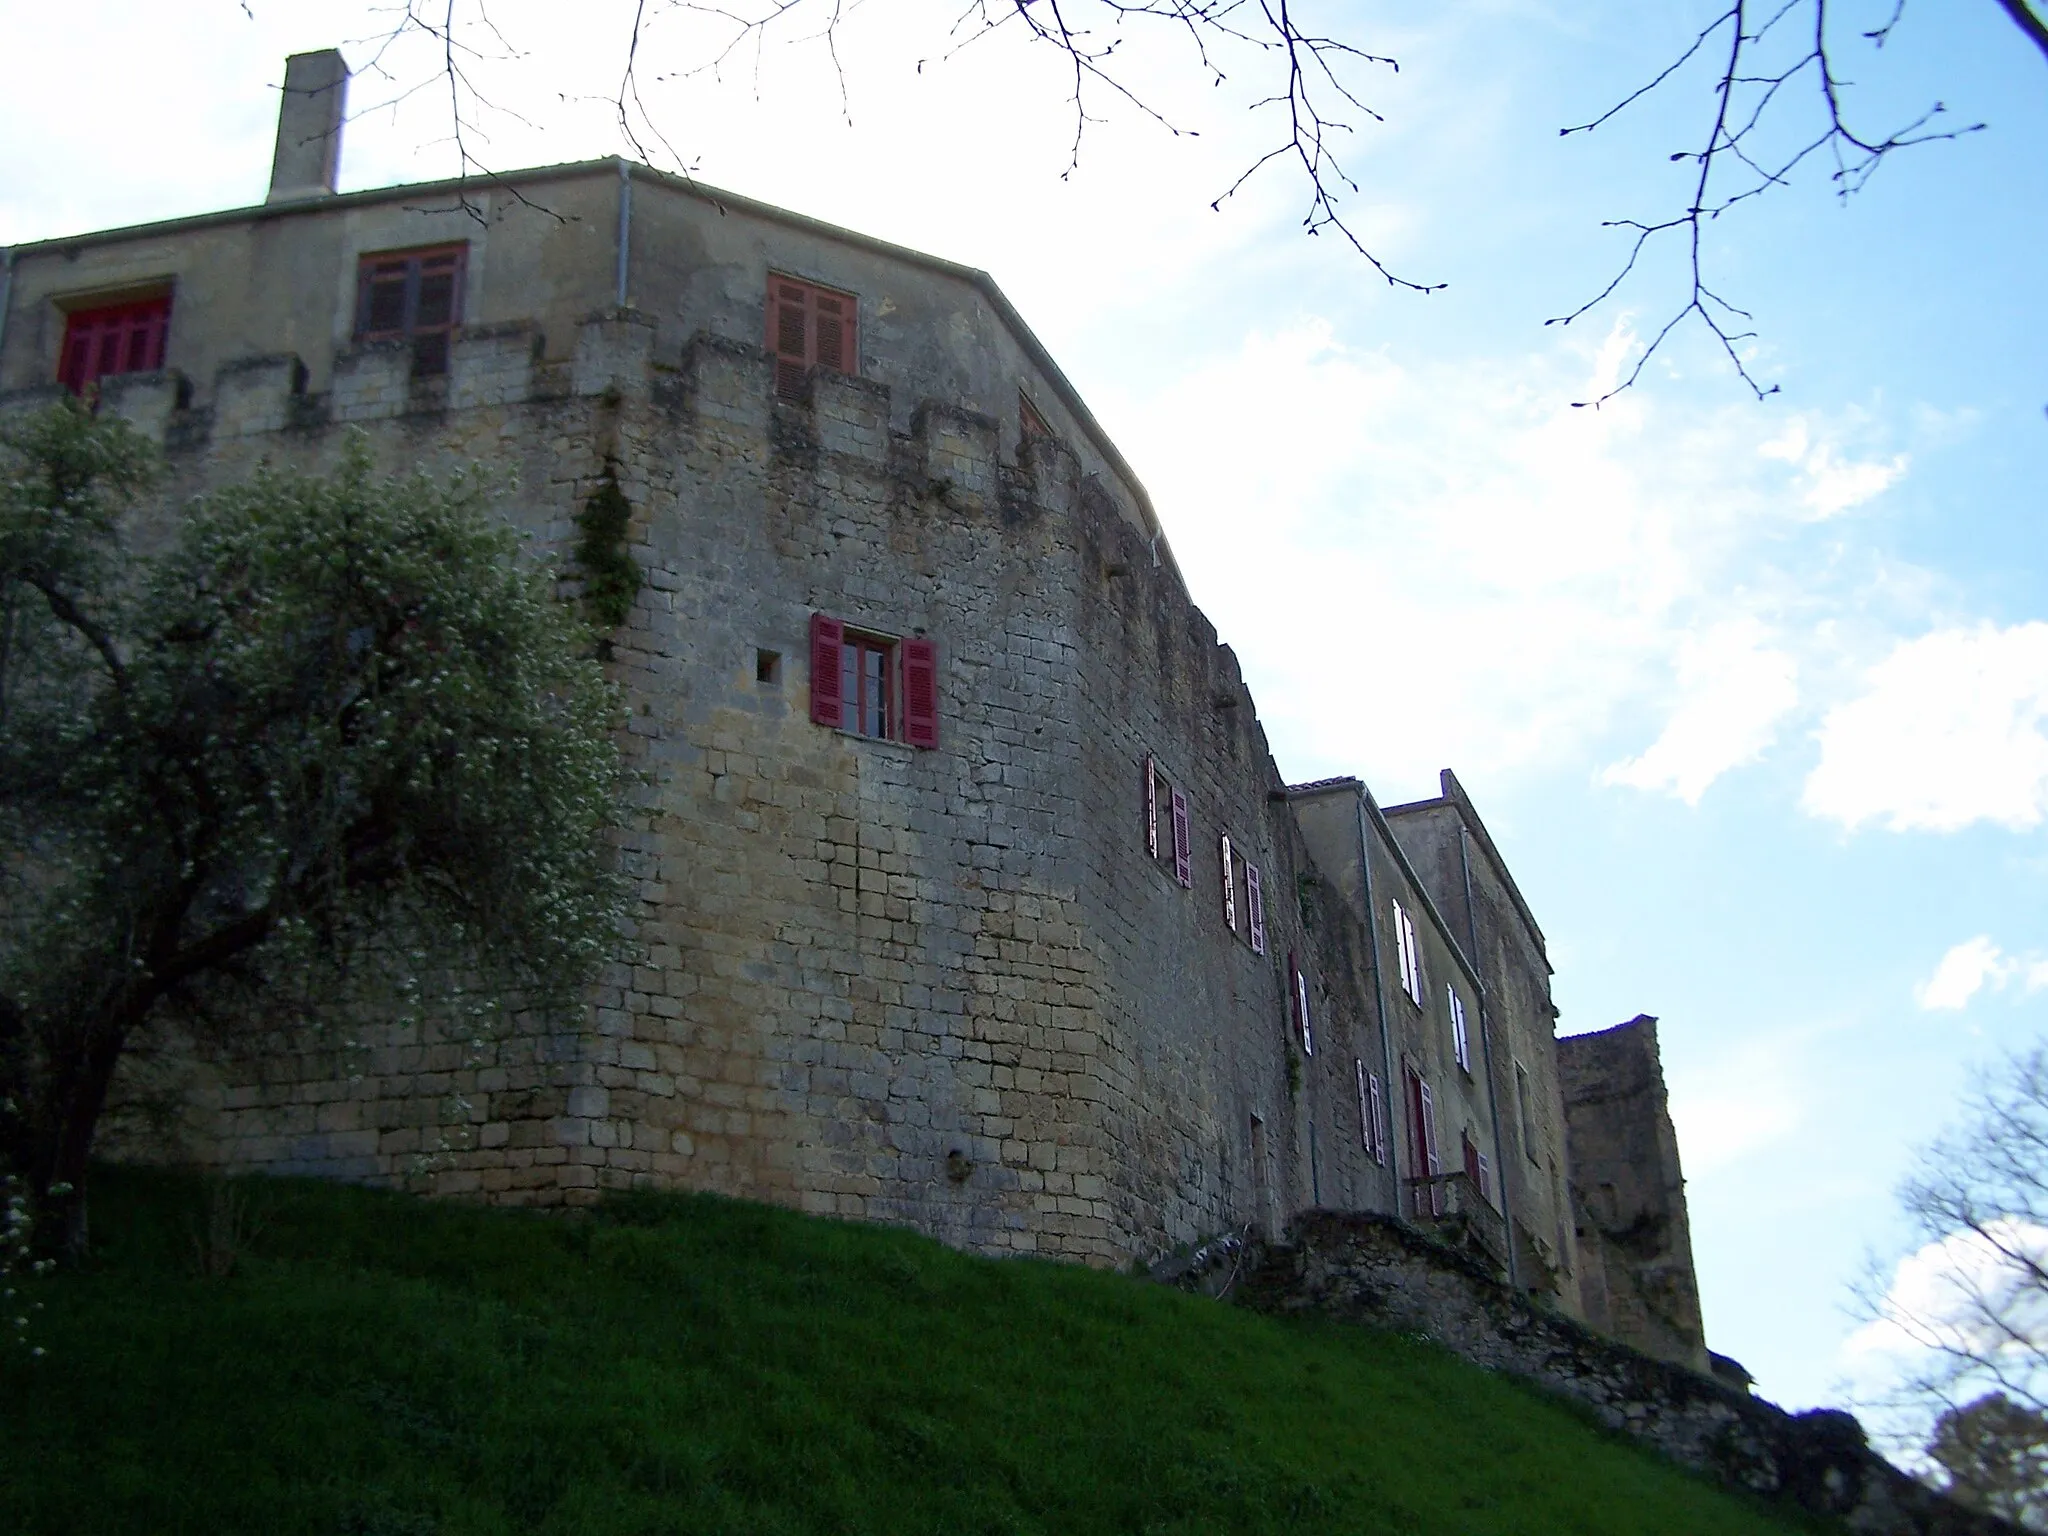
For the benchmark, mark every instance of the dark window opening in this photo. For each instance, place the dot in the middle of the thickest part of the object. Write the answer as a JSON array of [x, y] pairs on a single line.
[[864, 677], [808, 327], [412, 296], [113, 339], [767, 666]]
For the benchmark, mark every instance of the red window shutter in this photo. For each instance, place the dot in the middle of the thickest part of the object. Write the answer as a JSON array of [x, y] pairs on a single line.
[[1364, 1114], [1183, 849], [920, 693], [831, 321], [1485, 1187], [828, 699], [1257, 902], [121, 338], [1229, 888], [788, 335], [1308, 1039], [1151, 799]]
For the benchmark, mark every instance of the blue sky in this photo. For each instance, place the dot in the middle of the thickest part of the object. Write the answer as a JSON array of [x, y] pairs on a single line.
[[1753, 695]]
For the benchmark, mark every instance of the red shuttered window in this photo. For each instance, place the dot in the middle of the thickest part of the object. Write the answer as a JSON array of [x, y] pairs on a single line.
[[1183, 844], [920, 693], [412, 296], [1229, 887], [874, 685], [1461, 1039], [809, 326], [113, 339]]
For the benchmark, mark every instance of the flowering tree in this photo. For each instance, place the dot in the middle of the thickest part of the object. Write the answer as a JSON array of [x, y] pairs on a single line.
[[329, 711]]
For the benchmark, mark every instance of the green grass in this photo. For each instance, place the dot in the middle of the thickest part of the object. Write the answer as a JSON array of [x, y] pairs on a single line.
[[381, 1365]]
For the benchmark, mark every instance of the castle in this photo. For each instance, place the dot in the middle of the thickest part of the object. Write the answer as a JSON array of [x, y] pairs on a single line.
[[968, 893]]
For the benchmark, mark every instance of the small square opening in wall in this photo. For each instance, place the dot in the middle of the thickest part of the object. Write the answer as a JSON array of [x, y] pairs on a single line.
[[768, 667]]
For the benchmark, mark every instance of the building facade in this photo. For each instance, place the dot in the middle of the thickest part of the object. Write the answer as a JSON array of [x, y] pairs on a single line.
[[969, 893]]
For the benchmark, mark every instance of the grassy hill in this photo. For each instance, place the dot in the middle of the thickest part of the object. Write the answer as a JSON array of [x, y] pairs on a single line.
[[376, 1364]]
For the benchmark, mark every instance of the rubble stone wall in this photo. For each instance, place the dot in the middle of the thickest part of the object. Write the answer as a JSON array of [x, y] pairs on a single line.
[[1379, 1271]]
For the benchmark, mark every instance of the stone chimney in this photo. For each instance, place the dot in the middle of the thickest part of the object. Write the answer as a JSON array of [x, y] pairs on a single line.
[[309, 126]]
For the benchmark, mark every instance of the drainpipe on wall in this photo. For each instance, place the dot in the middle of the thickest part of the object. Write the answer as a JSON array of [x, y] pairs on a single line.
[[1379, 997], [1507, 1214], [6, 294], [625, 226]]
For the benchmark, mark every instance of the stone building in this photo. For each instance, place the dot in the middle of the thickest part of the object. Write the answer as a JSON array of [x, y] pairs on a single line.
[[969, 894]]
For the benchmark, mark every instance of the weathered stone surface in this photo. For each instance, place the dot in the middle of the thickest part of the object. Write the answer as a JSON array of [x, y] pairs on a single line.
[[1379, 1271], [1629, 1194]]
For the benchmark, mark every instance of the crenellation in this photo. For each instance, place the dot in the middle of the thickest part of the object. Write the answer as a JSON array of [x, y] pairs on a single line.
[[148, 402], [254, 395], [372, 382], [494, 364]]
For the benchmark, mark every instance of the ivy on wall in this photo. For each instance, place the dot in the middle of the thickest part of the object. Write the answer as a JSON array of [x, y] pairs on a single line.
[[611, 576]]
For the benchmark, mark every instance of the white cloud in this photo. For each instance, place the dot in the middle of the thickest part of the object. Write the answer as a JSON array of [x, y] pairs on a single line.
[[1949, 731], [1975, 964], [1739, 1101], [1962, 973], [1733, 690], [1445, 563], [1832, 484]]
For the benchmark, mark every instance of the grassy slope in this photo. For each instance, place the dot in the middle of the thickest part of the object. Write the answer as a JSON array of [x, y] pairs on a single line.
[[377, 1365]]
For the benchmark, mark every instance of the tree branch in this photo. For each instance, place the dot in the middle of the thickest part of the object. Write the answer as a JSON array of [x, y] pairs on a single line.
[[2029, 21]]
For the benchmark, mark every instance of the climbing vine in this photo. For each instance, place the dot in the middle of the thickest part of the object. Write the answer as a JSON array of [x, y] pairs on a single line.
[[611, 576]]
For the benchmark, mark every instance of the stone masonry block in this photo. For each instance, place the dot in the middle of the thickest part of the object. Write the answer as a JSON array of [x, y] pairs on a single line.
[[146, 401], [254, 394], [372, 381], [493, 364], [852, 414], [614, 351]]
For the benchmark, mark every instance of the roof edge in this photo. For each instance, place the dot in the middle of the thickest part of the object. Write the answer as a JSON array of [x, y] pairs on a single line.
[[1070, 397], [1455, 797]]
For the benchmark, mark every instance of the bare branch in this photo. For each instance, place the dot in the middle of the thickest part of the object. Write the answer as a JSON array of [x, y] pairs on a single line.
[[1736, 161], [1311, 74], [2028, 20]]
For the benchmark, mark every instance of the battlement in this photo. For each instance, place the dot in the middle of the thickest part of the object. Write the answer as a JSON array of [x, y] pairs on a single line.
[[952, 450]]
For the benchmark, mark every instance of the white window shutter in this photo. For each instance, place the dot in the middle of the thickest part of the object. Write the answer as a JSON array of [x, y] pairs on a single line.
[[1229, 888]]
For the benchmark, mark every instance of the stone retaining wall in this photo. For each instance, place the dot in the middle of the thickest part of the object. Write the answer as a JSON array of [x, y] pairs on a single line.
[[1379, 1271]]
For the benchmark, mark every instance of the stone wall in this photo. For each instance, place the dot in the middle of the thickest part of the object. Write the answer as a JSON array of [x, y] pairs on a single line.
[[1379, 1271], [1635, 1241], [947, 987]]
